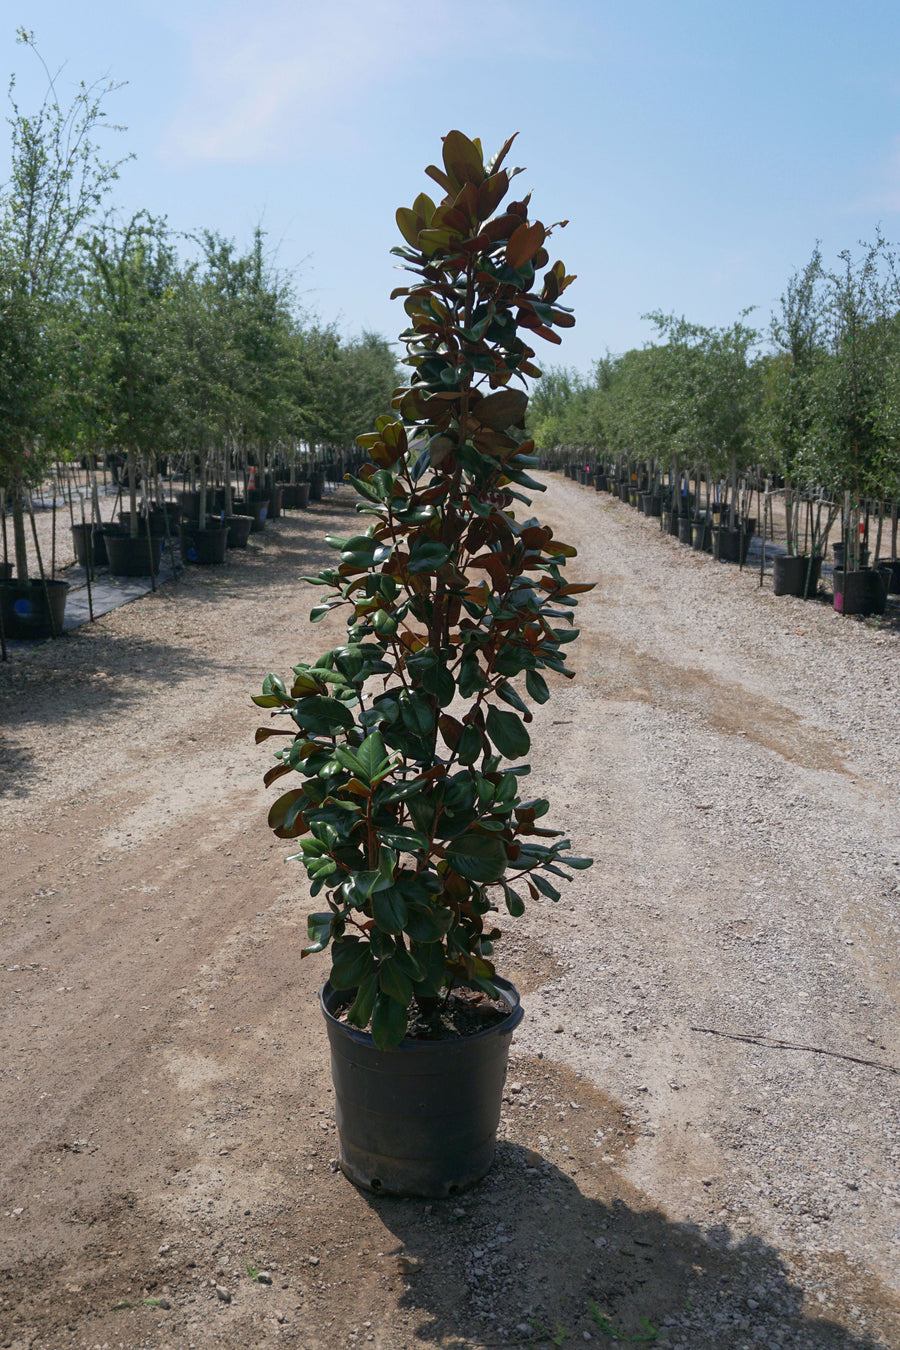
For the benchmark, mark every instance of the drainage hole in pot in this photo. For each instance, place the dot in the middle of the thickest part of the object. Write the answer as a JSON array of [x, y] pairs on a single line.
[[375, 1183]]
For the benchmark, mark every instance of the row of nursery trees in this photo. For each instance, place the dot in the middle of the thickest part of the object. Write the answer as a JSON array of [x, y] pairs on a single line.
[[816, 405], [118, 337]]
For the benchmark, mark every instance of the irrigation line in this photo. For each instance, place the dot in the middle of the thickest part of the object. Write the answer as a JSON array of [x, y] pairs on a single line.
[[773, 1043]]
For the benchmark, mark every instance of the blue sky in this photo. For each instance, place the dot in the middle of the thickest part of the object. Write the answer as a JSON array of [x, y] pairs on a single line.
[[698, 149]]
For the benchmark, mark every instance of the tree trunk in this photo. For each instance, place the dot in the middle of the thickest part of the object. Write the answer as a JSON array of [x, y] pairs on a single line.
[[18, 515]]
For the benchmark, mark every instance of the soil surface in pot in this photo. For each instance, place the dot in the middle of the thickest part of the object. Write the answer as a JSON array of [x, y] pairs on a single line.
[[667, 1154], [464, 1012]]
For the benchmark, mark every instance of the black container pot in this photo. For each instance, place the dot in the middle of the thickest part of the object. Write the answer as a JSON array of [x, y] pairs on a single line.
[[33, 609], [420, 1119], [789, 574], [163, 519], [838, 550], [685, 526], [238, 530], [275, 496], [5, 571], [862, 592], [132, 557], [190, 504], [206, 546], [730, 545], [891, 569], [701, 536], [257, 508], [89, 545], [316, 485]]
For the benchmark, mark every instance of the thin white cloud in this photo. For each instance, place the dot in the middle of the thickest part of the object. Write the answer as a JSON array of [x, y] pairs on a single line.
[[265, 77]]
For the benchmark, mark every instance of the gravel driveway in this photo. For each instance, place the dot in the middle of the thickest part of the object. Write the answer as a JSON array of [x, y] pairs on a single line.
[[700, 1137]]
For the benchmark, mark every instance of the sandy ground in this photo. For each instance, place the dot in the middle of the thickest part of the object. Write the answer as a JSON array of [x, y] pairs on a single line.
[[731, 762]]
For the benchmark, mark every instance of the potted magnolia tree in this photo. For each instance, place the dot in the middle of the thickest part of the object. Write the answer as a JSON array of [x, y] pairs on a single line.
[[406, 754]]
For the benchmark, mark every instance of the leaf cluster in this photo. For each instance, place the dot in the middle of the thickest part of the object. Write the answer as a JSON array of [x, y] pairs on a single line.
[[408, 738]]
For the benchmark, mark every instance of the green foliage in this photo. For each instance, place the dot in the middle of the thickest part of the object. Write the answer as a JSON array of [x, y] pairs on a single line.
[[407, 820], [57, 180]]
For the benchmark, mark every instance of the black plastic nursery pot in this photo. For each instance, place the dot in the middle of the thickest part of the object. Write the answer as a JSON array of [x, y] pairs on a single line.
[[256, 508], [421, 1119], [789, 574], [862, 592], [132, 557], [701, 536], [730, 545], [163, 519], [294, 496], [838, 551], [89, 544], [891, 568], [206, 546], [238, 530], [33, 609], [275, 502], [685, 527]]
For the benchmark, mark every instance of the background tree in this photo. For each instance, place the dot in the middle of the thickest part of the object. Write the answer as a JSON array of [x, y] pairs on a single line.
[[56, 184]]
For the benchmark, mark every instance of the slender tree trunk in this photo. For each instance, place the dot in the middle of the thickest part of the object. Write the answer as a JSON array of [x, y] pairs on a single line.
[[18, 515]]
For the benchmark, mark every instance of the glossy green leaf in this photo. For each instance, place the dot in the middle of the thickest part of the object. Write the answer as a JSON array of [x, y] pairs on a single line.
[[372, 755], [416, 714], [318, 928], [427, 555], [323, 715], [394, 981], [478, 857], [426, 922], [360, 1010], [536, 686], [352, 961], [402, 839], [389, 1020], [514, 902], [389, 910], [507, 734]]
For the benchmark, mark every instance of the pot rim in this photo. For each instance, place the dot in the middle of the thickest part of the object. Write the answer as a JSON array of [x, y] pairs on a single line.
[[341, 997]]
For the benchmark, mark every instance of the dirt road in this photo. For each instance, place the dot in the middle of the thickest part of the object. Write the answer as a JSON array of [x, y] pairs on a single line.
[[730, 759]]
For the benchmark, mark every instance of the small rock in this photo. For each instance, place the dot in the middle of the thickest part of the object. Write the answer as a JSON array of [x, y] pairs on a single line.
[[222, 1293], [408, 1265], [557, 1030], [163, 1303], [263, 1277], [313, 1260], [165, 1249]]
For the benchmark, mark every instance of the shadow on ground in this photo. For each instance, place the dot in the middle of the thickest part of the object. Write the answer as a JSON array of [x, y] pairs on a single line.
[[529, 1259]]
